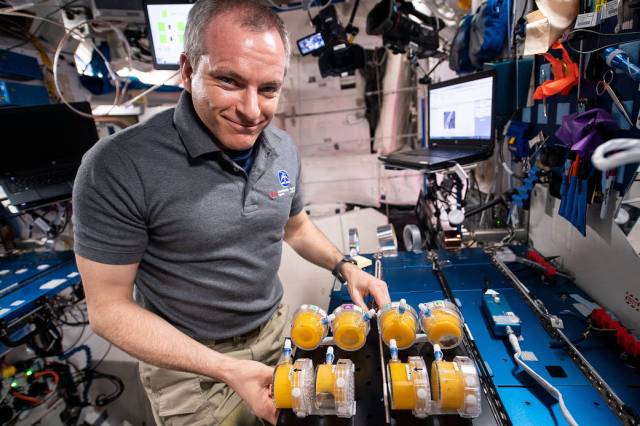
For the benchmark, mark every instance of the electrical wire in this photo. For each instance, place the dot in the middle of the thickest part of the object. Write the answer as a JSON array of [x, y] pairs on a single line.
[[149, 90], [35, 32], [599, 34], [74, 31], [95, 367], [615, 153], [513, 339], [120, 91], [353, 12]]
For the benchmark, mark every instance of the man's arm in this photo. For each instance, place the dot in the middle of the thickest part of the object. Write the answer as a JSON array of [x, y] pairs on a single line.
[[114, 315], [307, 240]]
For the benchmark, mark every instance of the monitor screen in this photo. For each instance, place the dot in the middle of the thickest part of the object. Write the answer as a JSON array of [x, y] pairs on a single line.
[[166, 23], [59, 137], [310, 44], [462, 109]]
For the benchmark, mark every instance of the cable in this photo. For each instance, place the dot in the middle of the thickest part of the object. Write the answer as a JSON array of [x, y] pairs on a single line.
[[584, 30], [62, 42], [31, 399], [51, 373], [541, 381], [615, 153], [119, 91], [353, 12], [599, 34], [149, 90], [35, 32], [95, 367], [102, 399]]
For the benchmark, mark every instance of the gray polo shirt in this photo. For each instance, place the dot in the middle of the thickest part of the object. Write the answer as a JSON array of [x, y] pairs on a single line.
[[208, 236]]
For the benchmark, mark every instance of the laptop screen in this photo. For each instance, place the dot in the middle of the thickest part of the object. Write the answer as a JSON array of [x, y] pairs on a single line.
[[461, 110], [45, 136]]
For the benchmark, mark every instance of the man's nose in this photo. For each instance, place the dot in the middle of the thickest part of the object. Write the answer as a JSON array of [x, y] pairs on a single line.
[[249, 107]]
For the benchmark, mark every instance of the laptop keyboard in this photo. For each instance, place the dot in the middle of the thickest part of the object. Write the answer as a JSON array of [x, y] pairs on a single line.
[[16, 185]]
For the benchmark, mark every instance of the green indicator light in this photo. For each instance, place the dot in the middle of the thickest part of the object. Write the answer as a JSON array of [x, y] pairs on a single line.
[[14, 384], [29, 372]]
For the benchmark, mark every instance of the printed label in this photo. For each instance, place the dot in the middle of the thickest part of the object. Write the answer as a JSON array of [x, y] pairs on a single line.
[[611, 9], [586, 20]]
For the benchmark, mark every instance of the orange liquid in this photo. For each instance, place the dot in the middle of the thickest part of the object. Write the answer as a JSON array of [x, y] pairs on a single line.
[[447, 385], [404, 394], [282, 386], [443, 328], [307, 330], [349, 330], [399, 327]]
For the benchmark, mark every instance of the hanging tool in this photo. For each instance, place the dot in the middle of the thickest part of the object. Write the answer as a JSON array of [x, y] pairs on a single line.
[[604, 85], [568, 187], [607, 183]]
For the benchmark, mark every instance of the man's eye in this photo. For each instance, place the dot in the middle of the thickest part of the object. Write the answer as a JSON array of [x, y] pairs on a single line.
[[226, 80], [270, 89]]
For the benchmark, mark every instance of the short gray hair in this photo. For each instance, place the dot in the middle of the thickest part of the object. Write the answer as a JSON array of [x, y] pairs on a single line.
[[253, 15]]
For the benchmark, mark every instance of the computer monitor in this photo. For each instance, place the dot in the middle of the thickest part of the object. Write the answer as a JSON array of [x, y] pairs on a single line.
[[166, 24], [462, 111], [40, 137], [40, 152]]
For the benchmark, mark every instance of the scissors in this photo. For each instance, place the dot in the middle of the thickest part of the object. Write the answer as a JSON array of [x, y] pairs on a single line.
[[604, 85]]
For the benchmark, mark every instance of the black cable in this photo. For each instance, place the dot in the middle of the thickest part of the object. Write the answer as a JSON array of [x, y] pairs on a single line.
[[353, 12], [103, 357], [73, 345], [74, 324], [102, 399]]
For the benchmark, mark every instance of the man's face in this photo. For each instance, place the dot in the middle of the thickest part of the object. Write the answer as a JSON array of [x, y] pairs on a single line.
[[235, 87]]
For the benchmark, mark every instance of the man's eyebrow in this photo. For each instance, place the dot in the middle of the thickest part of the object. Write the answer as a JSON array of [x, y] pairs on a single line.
[[277, 83], [226, 73], [235, 76]]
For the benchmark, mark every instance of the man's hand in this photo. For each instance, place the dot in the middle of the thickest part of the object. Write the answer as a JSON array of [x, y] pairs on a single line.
[[361, 285], [252, 381]]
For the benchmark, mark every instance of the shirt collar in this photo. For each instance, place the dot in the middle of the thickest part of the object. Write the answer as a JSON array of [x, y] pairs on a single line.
[[195, 136]]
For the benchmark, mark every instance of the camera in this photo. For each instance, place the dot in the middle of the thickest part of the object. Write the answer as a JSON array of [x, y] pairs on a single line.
[[330, 43], [403, 28]]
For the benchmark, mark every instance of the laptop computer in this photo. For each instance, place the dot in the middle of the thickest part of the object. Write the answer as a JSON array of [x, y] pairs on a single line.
[[460, 125], [41, 152]]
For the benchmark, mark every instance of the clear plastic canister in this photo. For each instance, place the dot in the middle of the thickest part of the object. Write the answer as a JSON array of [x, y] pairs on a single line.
[[335, 389], [350, 327], [309, 327], [293, 386], [455, 387], [442, 322], [409, 386], [398, 321]]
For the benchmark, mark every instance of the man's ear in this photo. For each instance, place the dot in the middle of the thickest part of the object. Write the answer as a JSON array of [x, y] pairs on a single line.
[[186, 72]]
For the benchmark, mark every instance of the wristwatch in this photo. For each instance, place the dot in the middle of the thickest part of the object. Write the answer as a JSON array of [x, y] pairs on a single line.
[[338, 268]]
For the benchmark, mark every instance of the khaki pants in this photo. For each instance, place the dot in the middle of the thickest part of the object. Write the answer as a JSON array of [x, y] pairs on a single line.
[[178, 398]]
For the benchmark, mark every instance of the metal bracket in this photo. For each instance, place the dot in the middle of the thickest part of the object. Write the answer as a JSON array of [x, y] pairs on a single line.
[[613, 400]]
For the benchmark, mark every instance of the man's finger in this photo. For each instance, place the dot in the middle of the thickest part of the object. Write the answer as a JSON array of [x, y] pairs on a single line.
[[270, 413], [356, 297], [380, 292]]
